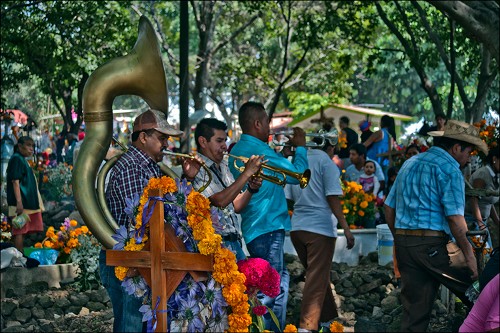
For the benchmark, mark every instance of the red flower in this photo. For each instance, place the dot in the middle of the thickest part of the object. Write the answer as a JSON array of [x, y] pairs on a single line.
[[259, 310], [260, 275]]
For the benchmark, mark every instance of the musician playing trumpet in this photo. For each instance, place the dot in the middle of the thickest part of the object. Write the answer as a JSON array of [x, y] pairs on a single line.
[[224, 191], [265, 219]]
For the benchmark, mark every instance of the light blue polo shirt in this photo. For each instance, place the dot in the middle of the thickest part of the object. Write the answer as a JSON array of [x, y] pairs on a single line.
[[267, 210], [429, 187]]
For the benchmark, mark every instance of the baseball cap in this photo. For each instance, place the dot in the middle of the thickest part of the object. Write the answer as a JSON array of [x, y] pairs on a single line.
[[154, 119]]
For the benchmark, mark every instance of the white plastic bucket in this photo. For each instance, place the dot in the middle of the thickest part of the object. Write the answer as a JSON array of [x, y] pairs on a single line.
[[385, 244]]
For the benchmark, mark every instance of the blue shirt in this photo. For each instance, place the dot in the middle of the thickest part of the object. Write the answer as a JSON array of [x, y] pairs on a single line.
[[267, 210], [429, 187], [380, 147]]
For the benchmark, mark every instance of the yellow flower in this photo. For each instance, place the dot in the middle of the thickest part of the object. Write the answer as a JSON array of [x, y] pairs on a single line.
[[38, 245], [73, 223], [335, 326], [363, 204], [290, 328], [361, 213], [121, 272]]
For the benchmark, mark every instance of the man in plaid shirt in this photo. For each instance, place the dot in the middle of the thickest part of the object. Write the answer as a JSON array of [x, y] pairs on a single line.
[[127, 178], [224, 191]]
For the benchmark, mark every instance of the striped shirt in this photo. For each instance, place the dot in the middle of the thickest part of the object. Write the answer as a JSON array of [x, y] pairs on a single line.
[[221, 179], [429, 187], [128, 177]]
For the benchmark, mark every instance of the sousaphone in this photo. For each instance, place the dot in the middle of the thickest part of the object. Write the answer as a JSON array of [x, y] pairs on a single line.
[[139, 73]]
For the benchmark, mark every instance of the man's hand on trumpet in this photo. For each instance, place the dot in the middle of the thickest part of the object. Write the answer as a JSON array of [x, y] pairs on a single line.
[[191, 166], [299, 137], [253, 165]]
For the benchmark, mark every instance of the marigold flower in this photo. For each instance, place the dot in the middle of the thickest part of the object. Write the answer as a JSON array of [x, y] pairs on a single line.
[[335, 326], [121, 272], [363, 205], [290, 328]]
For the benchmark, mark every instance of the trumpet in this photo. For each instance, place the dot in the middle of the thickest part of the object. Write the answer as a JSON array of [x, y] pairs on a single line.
[[332, 137], [303, 178], [201, 189]]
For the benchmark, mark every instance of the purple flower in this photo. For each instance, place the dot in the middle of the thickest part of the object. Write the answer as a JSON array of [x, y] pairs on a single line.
[[121, 236], [131, 205], [67, 223], [189, 311], [213, 296]]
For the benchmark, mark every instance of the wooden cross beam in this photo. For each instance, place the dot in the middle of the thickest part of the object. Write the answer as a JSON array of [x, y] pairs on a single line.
[[163, 262]]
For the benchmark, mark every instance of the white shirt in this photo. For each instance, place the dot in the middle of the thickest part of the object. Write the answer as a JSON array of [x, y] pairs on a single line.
[[311, 211]]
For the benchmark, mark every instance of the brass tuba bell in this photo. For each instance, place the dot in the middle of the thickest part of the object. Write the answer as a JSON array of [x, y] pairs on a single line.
[[139, 73]]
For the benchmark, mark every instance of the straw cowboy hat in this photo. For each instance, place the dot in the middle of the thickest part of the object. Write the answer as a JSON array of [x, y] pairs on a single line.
[[459, 130]]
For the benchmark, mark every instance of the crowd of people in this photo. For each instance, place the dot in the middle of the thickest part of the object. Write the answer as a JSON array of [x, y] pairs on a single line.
[[424, 205]]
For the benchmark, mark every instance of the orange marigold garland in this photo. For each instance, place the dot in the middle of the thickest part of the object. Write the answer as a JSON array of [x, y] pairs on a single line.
[[208, 243]]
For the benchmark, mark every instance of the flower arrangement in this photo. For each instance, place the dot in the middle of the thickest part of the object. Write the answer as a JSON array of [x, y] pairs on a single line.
[[56, 182], [86, 259], [260, 275], [342, 141], [489, 132], [218, 304], [64, 240], [358, 207], [417, 141], [6, 233]]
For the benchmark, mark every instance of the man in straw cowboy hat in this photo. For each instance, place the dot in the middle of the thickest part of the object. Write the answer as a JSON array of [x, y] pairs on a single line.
[[423, 210]]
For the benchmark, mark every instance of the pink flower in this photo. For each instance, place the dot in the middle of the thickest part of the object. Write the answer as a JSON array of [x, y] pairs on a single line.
[[260, 275], [259, 310]]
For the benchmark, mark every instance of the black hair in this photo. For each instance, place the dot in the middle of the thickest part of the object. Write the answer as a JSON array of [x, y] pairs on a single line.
[[374, 165], [248, 113], [135, 135], [388, 122], [440, 115], [448, 143], [345, 120], [493, 152], [21, 141], [206, 127], [412, 146], [359, 148]]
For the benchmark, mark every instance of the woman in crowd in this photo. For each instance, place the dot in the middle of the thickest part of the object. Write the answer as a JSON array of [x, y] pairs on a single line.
[[22, 191], [382, 141]]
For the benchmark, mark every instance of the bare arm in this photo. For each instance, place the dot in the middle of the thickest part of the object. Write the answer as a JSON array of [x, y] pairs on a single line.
[[375, 137], [390, 218], [243, 199], [17, 194], [458, 228], [334, 202], [476, 213], [229, 194]]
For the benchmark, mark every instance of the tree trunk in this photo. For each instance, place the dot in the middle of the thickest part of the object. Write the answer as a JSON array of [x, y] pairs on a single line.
[[479, 19]]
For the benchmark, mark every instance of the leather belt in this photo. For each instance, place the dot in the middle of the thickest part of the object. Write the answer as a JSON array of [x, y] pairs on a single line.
[[231, 237], [421, 232]]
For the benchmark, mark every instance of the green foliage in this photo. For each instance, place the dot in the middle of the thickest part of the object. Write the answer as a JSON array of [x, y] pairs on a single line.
[[60, 43], [303, 104], [86, 259], [57, 183]]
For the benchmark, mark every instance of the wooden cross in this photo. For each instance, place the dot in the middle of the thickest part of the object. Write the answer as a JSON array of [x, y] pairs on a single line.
[[322, 119], [163, 262]]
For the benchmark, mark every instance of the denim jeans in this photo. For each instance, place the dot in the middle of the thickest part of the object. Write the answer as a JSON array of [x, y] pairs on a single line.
[[125, 306], [235, 247], [270, 247]]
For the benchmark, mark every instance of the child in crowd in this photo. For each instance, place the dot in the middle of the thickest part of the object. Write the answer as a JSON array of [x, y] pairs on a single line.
[[368, 179]]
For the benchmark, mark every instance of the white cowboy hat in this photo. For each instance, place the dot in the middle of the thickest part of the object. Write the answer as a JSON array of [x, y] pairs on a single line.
[[461, 131]]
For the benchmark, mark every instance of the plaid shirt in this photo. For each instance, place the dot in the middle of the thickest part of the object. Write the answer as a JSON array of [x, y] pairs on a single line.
[[128, 177], [220, 180]]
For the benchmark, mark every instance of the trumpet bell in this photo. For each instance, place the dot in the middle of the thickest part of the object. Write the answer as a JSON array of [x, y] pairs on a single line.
[[304, 179]]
